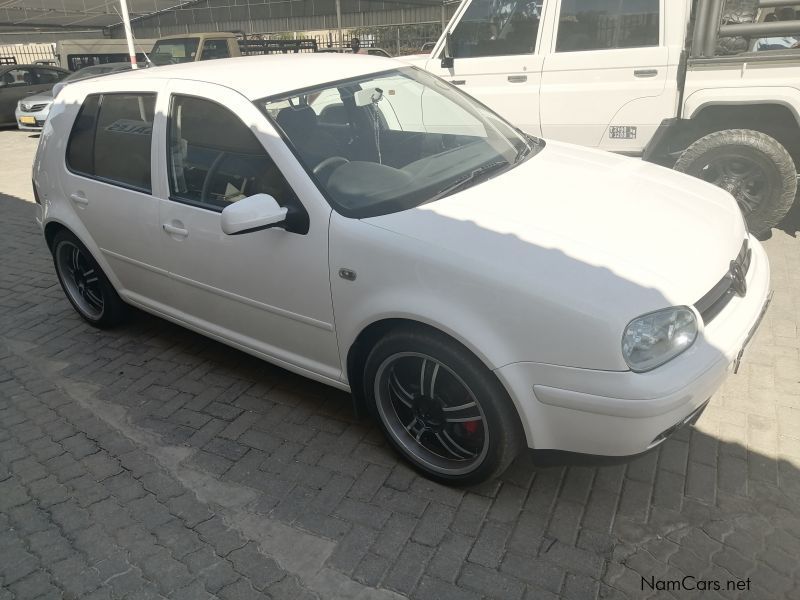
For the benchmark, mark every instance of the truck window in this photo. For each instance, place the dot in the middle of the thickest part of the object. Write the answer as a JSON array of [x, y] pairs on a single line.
[[497, 28], [784, 39], [213, 49], [174, 51], [607, 24]]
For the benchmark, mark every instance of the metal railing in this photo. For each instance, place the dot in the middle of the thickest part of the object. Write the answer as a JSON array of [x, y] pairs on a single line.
[[25, 54]]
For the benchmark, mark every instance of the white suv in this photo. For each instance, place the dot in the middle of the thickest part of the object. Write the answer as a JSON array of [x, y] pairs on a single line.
[[373, 228]]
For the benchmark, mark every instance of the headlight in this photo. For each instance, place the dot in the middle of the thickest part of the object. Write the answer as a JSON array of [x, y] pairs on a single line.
[[655, 338]]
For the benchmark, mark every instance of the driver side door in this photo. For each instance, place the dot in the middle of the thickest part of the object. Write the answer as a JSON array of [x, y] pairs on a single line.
[[265, 291]]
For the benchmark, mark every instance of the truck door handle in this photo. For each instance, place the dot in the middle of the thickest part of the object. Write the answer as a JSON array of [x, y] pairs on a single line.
[[517, 78], [79, 198], [174, 230], [458, 81], [645, 72]]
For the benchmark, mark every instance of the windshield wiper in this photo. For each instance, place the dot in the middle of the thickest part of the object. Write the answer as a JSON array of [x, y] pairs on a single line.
[[471, 178]]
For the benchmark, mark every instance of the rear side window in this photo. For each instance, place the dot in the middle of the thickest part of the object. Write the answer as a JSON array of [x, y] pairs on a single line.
[[111, 139], [607, 24], [215, 49]]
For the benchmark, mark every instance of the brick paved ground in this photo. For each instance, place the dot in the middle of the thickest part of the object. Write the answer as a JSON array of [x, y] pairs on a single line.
[[148, 461]]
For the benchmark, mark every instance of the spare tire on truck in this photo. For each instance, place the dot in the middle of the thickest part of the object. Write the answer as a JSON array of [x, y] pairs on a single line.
[[754, 167]]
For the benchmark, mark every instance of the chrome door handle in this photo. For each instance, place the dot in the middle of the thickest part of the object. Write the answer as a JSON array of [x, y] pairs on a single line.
[[645, 72], [79, 198], [458, 81], [172, 230], [517, 78]]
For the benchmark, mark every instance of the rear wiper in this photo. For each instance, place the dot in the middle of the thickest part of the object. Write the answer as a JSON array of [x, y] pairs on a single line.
[[469, 179]]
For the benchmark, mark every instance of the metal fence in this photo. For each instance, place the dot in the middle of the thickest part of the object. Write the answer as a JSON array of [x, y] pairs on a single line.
[[396, 40], [22, 54]]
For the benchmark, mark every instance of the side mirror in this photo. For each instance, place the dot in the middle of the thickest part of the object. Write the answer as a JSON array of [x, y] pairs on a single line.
[[447, 56], [253, 213]]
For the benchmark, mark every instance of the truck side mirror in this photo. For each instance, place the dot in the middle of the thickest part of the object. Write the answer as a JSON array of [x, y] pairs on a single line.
[[447, 55]]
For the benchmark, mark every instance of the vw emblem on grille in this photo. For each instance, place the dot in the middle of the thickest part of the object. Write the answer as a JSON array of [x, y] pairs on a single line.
[[738, 280]]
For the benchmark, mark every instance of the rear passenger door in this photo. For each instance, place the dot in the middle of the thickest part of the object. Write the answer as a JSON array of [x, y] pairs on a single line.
[[604, 82], [107, 178]]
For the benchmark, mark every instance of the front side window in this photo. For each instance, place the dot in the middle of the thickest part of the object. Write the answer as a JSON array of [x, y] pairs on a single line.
[[497, 28], [213, 49], [166, 52], [18, 78], [215, 160], [111, 139], [607, 24], [390, 141], [48, 76]]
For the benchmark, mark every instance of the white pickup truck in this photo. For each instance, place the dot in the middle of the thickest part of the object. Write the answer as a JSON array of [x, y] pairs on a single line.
[[709, 87]]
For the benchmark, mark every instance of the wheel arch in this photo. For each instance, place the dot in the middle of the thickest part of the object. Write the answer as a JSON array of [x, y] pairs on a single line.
[[369, 335], [777, 118], [51, 228]]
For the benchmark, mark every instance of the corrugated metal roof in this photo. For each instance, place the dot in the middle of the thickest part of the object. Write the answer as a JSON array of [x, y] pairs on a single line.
[[75, 13]]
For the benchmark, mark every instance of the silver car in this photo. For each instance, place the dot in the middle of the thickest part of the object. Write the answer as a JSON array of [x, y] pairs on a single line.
[[32, 111]]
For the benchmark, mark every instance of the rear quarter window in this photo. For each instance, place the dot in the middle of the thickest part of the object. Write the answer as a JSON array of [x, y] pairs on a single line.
[[111, 139]]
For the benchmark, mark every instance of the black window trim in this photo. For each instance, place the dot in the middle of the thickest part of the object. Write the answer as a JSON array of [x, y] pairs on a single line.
[[120, 184], [299, 207]]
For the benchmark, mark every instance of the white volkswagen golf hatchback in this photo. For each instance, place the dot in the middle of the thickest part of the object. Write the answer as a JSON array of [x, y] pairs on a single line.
[[369, 226]]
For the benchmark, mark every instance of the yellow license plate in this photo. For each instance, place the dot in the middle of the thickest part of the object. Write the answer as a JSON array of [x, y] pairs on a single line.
[[27, 120]]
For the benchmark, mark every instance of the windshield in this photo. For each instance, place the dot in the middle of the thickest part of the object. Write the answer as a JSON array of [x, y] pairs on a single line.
[[390, 141], [166, 52]]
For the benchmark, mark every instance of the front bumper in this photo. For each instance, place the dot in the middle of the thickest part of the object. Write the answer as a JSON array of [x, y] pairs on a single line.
[[38, 119], [613, 413]]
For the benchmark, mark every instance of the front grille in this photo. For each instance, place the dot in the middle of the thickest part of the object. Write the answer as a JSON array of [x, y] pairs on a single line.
[[713, 303], [32, 107]]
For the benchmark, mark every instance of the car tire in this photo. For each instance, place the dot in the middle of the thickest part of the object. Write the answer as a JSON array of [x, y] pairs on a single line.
[[85, 284], [755, 168], [440, 407]]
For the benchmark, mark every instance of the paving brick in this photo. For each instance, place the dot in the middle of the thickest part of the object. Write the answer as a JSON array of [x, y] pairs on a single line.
[[470, 514], [260, 570], [408, 568], [490, 546], [362, 513], [431, 588], [433, 525], [491, 583]]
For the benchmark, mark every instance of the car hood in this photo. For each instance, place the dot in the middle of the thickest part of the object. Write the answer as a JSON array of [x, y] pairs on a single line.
[[38, 98], [583, 226]]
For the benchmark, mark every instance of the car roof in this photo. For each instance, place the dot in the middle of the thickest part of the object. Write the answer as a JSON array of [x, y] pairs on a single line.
[[281, 73], [31, 66]]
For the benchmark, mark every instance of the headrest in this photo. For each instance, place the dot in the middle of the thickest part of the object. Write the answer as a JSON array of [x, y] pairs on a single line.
[[294, 118]]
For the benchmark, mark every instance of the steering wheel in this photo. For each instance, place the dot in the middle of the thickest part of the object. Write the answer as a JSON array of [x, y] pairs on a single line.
[[330, 163], [210, 174]]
